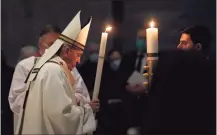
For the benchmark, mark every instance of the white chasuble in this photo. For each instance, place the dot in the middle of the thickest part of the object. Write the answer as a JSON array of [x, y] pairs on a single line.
[[51, 107]]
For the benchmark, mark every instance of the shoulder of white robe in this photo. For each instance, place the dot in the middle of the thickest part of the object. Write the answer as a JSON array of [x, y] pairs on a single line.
[[46, 57], [36, 70], [27, 61]]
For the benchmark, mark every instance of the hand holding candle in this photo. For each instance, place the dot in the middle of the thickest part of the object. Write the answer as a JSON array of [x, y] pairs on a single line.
[[100, 63]]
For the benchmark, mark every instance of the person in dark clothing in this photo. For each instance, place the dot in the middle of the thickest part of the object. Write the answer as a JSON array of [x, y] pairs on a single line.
[[110, 117], [196, 37], [6, 113], [115, 59], [88, 70], [182, 95], [133, 62]]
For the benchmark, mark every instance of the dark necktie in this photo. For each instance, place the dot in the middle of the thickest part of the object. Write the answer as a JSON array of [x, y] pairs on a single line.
[[139, 64]]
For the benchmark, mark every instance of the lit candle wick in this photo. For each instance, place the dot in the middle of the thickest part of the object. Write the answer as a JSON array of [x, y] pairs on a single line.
[[152, 24], [108, 29]]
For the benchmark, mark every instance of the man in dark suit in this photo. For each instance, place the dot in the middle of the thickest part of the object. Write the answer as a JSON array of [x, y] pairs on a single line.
[[182, 95], [195, 37]]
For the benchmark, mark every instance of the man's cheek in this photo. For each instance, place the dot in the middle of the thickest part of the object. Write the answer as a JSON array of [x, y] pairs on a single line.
[[78, 56], [78, 60]]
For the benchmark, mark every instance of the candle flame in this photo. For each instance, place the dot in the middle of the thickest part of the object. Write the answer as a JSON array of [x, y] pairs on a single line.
[[109, 28], [152, 24]]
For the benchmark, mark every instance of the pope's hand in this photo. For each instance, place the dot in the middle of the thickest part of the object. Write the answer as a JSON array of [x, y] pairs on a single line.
[[78, 102], [95, 105], [137, 88]]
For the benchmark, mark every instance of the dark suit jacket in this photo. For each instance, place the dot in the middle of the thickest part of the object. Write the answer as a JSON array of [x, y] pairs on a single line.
[[182, 96]]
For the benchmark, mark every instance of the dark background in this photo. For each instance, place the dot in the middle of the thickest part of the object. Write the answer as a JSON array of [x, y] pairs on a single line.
[[22, 20]]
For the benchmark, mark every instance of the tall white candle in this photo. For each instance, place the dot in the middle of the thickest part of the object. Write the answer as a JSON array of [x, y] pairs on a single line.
[[152, 39], [103, 44], [100, 64]]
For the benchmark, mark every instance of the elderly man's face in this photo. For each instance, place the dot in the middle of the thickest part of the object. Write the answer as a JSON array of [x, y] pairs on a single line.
[[78, 55], [72, 56]]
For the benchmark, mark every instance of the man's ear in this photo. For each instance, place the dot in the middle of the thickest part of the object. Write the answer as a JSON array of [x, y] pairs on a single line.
[[67, 49], [198, 46]]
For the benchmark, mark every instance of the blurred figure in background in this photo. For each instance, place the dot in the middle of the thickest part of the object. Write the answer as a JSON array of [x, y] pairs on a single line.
[[47, 37], [88, 66], [16, 96], [115, 59], [91, 48], [6, 113], [182, 95], [110, 120], [135, 95], [27, 51]]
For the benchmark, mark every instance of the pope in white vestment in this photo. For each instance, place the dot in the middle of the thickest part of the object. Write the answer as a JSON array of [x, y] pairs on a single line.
[[17, 90], [50, 105]]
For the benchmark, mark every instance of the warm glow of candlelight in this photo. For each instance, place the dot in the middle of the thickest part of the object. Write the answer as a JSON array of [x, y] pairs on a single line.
[[109, 28], [152, 24]]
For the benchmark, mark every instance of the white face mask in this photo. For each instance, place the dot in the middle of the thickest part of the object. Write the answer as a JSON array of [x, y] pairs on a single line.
[[115, 64], [93, 57]]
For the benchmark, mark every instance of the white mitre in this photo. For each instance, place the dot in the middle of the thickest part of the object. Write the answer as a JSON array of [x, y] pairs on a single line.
[[73, 34]]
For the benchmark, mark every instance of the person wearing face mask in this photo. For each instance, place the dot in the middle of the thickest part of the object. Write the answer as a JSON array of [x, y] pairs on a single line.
[[110, 115], [114, 59], [134, 95], [88, 66], [93, 57]]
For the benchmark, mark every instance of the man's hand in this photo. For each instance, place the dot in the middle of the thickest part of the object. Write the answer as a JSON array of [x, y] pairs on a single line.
[[78, 102], [137, 88], [95, 105]]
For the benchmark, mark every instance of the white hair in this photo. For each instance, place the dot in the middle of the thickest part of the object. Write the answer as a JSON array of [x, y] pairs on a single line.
[[27, 51]]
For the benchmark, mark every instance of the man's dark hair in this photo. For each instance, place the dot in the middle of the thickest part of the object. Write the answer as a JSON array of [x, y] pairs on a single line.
[[199, 34], [50, 28]]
